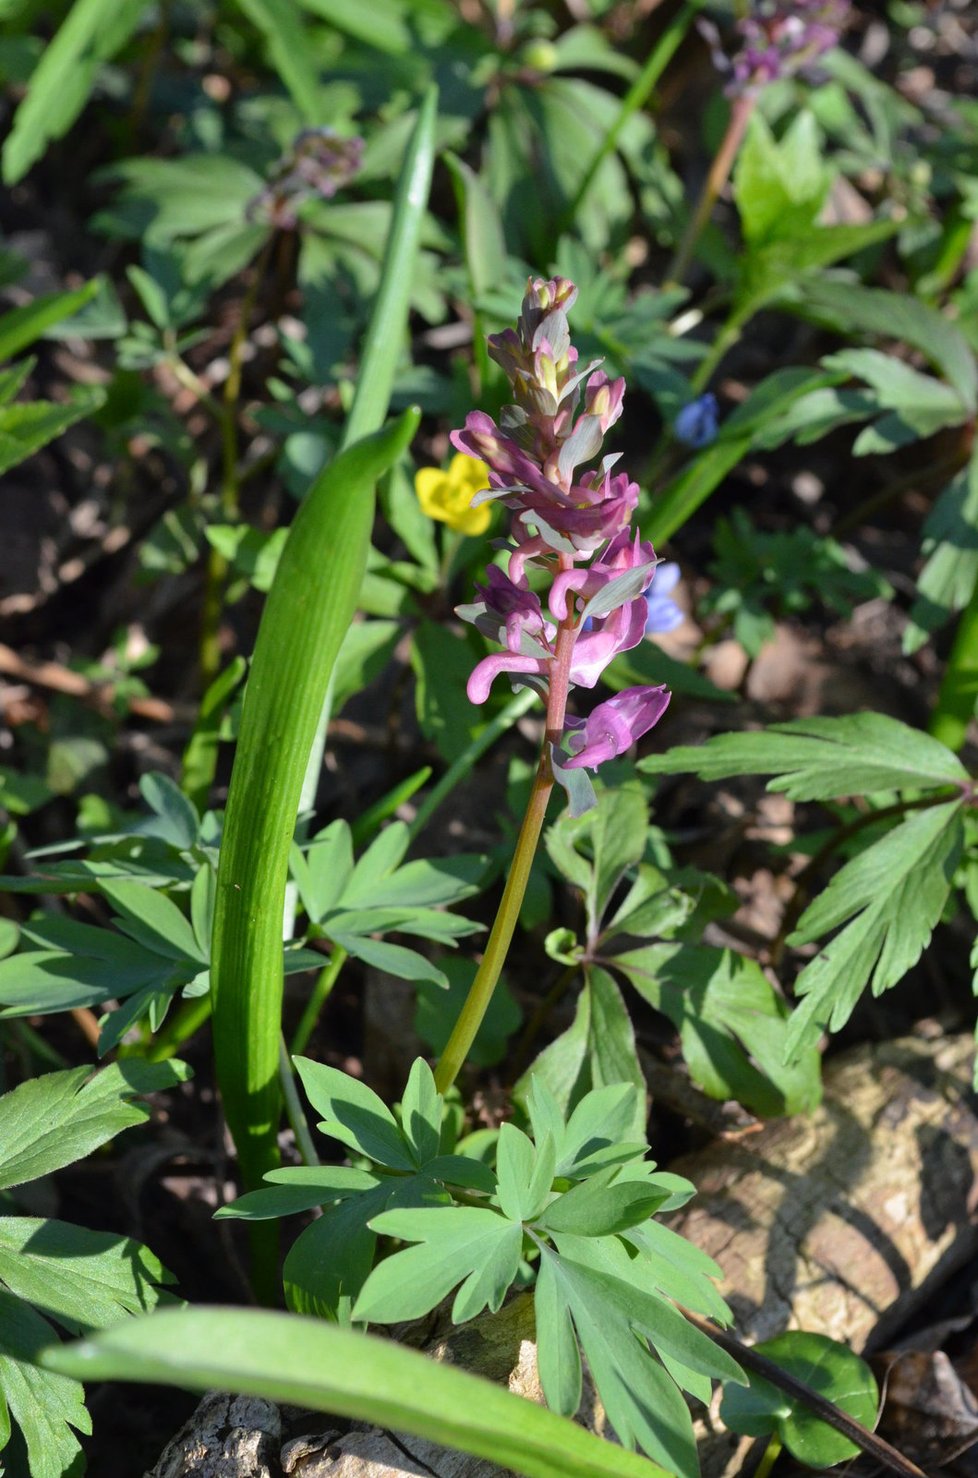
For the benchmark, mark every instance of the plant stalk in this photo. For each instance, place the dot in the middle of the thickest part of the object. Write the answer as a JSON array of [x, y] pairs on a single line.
[[715, 181], [501, 935]]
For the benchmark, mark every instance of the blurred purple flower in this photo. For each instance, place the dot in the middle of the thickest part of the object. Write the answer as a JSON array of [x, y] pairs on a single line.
[[662, 613], [777, 38], [319, 162], [696, 424]]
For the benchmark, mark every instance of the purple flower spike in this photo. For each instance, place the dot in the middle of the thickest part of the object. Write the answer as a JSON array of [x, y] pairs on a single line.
[[573, 528], [663, 613], [614, 726]]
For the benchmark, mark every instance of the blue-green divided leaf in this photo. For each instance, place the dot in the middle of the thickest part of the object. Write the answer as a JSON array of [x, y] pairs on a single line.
[[596, 1050], [315, 1365], [421, 1112], [595, 1136], [296, 1188], [602, 1205], [154, 920], [470, 1245], [820, 759], [53, 1120], [406, 964], [45, 1406], [643, 1403], [732, 1026], [677, 1268], [524, 1171], [889, 899], [328, 1263], [175, 819], [353, 1114], [946, 582], [829, 1369], [323, 870]]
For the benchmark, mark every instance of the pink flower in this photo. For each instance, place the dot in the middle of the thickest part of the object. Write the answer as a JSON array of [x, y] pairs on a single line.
[[614, 726]]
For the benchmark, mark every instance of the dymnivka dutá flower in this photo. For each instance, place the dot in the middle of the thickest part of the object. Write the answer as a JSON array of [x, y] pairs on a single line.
[[574, 525]]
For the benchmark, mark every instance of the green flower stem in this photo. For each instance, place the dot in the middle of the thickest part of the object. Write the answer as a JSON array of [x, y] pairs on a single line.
[[500, 937], [716, 179], [958, 694], [319, 995], [635, 98], [480, 993]]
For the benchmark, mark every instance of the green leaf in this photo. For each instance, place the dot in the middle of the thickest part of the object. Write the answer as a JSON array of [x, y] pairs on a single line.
[[78, 1277], [780, 186], [21, 326], [421, 1112], [598, 1207], [314, 1365], [849, 307], [732, 1026], [442, 661], [822, 758], [394, 959], [62, 80], [889, 899], [920, 404], [53, 1120], [45, 1406], [827, 1368], [24, 429], [154, 921], [946, 582], [481, 229], [470, 1245], [596, 1050], [614, 833], [525, 1173], [290, 53], [353, 1114], [610, 1314]]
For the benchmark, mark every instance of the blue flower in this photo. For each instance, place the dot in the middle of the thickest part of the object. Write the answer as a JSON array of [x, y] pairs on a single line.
[[696, 424], [664, 614]]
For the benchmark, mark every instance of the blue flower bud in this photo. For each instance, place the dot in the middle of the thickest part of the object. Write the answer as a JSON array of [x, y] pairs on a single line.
[[696, 424]]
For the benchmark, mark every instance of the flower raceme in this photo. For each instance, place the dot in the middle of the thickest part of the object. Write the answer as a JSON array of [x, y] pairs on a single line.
[[574, 526]]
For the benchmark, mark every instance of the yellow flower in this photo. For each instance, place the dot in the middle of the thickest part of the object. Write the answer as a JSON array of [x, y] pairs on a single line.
[[448, 495]]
